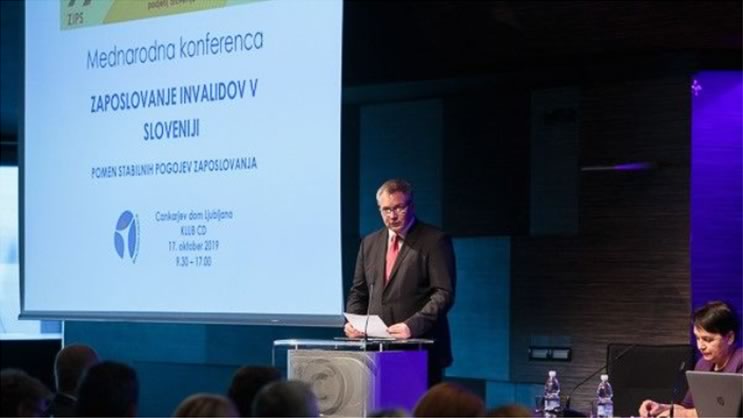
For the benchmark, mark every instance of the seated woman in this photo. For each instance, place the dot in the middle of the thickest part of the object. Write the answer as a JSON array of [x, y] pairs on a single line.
[[715, 327]]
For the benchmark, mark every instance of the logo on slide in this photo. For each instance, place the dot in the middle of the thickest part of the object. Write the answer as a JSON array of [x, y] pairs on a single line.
[[126, 236]]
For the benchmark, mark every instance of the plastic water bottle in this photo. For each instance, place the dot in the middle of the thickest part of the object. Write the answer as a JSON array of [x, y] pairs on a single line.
[[604, 404], [551, 395]]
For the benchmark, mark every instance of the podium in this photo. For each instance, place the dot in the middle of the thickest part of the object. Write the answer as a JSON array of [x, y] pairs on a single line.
[[357, 377]]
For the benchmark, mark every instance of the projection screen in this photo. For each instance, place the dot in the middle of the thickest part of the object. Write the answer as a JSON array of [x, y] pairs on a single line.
[[181, 161]]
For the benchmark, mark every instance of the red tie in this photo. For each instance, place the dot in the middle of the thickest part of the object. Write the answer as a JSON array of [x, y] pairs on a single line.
[[392, 250]]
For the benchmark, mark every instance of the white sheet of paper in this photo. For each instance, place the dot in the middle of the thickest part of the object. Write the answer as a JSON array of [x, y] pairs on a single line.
[[375, 328]]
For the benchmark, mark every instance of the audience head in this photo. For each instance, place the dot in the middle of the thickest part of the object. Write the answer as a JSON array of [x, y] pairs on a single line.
[[449, 400], [389, 413], [206, 405], [22, 395], [108, 389], [716, 329], [69, 365], [290, 398], [509, 411], [246, 382]]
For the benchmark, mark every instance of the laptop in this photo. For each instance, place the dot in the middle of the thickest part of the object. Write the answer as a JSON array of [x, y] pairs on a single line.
[[716, 394]]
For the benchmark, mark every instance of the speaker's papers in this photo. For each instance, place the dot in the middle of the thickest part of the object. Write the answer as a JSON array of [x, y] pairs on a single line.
[[374, 328]]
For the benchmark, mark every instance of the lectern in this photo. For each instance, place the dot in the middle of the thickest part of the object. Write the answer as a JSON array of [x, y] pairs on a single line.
[[356, 377]]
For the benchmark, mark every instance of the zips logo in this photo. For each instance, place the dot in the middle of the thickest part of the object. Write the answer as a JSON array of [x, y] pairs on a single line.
[[126, 236]]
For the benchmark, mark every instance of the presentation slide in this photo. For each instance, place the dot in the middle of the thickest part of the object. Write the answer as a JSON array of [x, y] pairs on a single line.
[[181, 161]]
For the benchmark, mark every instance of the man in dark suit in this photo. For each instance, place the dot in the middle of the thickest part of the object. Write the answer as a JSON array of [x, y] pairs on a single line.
[[408, 269]]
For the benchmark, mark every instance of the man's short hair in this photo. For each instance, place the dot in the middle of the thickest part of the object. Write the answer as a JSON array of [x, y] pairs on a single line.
[[70, 364], [290, 398], [394, 186]]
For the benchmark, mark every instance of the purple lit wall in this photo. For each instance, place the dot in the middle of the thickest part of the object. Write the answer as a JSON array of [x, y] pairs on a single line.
[[716, 182]]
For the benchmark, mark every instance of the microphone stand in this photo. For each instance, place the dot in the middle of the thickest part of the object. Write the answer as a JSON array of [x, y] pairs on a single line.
[[366, 329], [368, 310], [603, 367], [675, 387]]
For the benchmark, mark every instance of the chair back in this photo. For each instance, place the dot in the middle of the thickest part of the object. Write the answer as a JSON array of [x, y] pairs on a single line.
[[638, 372]]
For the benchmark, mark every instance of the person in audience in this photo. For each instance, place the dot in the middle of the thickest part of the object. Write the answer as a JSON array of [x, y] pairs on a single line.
[[69, 365], [512, 410], [22, 395], [108, 389], [405, 273], [246, 383], [716, 327], [206, 405], [389, 413], [290, 398], [449, 400]]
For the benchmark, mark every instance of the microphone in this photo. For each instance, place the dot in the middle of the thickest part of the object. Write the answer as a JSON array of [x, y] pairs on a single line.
[[675, 388], [603, 367], [368, 310]]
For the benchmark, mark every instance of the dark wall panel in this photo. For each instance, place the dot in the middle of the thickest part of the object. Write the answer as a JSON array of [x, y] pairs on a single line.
[[625, 276], [480, 320], [554, 161], [34, 356], [486, 162], [401, 140]]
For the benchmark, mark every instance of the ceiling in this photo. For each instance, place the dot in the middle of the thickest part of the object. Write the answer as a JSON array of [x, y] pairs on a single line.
[[386, 41], [392, 41]]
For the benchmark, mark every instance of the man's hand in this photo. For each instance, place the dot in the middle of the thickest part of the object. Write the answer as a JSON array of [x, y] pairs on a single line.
[[399, 331], [352, 332]]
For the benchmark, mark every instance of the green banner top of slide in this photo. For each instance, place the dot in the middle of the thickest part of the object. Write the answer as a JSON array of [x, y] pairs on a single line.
[[82, 13]]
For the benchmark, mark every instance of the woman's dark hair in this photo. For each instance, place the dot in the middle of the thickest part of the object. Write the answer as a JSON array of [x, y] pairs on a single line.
[[716, 317]]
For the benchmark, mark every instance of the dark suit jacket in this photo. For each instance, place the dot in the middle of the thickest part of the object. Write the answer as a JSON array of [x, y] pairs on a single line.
[[421, 287]]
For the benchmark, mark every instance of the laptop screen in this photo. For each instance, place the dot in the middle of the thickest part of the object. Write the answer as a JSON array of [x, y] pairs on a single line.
[[716, 394]]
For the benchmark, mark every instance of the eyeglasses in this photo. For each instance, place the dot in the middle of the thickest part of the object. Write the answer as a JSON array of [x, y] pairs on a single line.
[[397, 210]]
